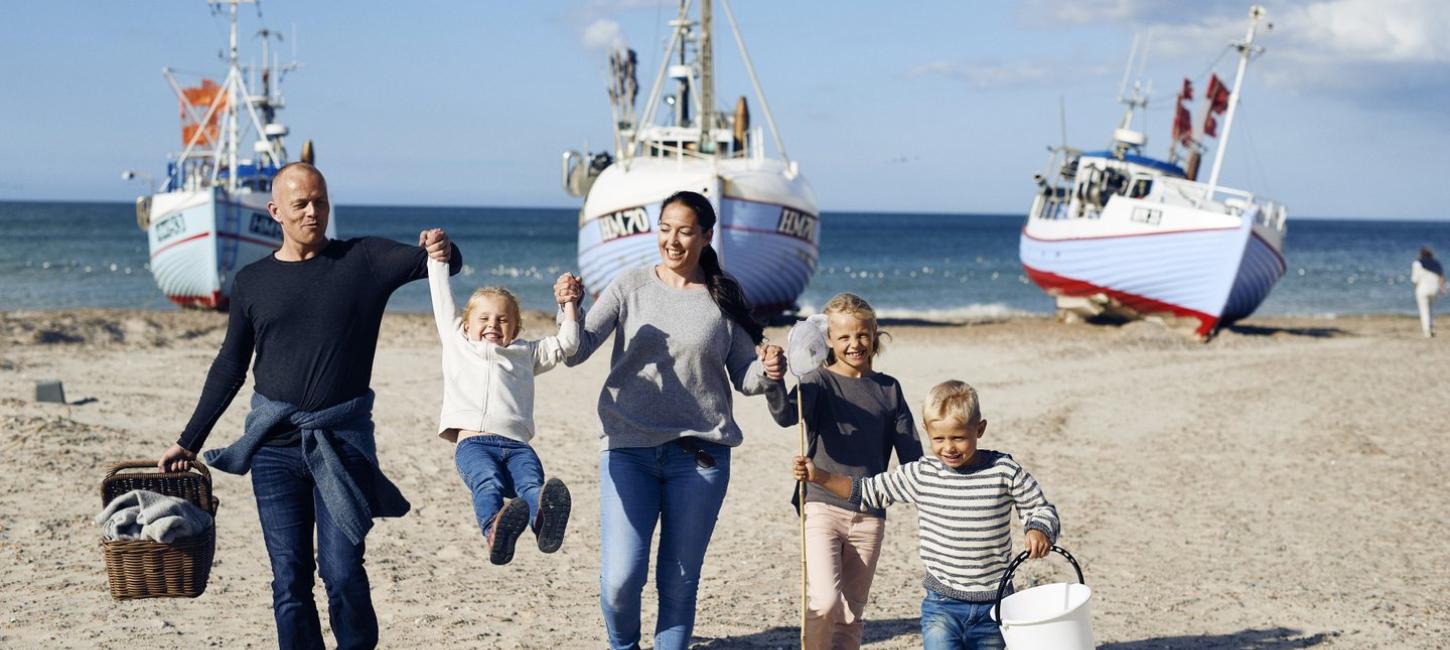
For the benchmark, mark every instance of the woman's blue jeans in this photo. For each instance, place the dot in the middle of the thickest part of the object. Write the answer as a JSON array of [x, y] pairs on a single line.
[[951, 624], [638, 487], [289, 506]]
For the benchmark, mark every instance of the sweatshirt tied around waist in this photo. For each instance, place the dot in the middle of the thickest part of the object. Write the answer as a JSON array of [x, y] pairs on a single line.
[[352, 500]]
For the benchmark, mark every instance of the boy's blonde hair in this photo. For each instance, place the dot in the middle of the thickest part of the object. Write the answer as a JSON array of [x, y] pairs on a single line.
[[952, 400], [850, 303], [494, 292]]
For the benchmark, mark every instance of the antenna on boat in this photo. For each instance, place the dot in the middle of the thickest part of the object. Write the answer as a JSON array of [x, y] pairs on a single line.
[[1246, 51], [1124, 137], [1128, 69]]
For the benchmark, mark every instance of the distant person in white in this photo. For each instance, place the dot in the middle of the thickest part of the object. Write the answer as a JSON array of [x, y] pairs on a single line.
[[1429, 279]]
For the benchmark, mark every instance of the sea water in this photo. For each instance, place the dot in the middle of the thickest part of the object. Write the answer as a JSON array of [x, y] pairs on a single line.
[[928, 266]]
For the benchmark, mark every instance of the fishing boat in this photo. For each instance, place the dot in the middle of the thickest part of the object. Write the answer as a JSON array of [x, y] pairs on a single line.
[[209, 217], [768, 230], [1118, 234]]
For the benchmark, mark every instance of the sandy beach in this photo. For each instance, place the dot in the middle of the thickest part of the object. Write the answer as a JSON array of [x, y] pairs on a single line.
[[1285, 485]]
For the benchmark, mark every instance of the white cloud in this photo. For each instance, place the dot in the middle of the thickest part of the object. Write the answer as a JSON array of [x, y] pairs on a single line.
[[1380, 31], [1385, 31], [1371, 51], [603, 34]]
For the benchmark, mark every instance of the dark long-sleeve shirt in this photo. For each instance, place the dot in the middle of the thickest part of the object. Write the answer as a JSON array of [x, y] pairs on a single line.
[[313, 325], [852, 425]]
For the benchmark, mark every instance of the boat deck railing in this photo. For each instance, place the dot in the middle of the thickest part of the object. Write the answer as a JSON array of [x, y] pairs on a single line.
[[1055, 202], [1269, 213]]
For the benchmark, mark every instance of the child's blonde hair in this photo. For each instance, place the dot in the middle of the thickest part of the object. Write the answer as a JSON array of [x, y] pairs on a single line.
[[952, 400], [850, 303], [494, 292]]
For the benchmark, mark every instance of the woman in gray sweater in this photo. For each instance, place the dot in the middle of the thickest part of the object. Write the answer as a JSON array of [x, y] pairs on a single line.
[[683, 338]]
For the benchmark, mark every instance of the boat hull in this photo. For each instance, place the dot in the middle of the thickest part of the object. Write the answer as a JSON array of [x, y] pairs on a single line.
[[1206, 278], [767, 236], [200, 239]]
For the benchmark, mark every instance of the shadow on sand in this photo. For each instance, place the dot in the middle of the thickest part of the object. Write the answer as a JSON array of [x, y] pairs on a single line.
[[787, 321], [876, 631], [1277, 638], [1311, 332]]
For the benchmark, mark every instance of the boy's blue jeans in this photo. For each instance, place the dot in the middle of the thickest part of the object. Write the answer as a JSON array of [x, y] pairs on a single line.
[[951, 624], [289, 506], [637, 487], [494, 468]]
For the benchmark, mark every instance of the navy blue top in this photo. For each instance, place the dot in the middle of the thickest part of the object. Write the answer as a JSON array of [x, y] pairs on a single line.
[[1432, 265], [313, 325]]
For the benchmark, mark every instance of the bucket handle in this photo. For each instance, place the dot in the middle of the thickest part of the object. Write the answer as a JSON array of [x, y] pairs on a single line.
[[1012, 568]]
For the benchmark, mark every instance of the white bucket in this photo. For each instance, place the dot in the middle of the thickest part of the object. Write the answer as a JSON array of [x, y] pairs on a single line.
[[1048, 617]]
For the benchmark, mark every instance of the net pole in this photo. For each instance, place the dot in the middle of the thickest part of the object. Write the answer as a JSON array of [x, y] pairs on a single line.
[[801, 498]]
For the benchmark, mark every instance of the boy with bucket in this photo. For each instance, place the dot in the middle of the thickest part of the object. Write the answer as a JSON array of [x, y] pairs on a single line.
[[964, 498]]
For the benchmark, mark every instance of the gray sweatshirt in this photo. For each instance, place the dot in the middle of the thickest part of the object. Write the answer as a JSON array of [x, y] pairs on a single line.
[[852, 423], [675, 359]]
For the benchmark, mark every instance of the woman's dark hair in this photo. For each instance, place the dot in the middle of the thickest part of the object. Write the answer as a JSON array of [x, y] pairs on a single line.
[[1425, 252], [724, 290]]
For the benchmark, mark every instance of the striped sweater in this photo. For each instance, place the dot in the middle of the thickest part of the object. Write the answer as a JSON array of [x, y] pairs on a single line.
[[964, 517]]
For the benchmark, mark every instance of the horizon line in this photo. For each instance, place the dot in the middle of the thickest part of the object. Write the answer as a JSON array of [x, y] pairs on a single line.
[[942, 213]]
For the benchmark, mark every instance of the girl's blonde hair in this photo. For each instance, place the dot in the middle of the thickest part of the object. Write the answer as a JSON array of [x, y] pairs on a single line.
[[854, 305], [952, 400], [494, 292]]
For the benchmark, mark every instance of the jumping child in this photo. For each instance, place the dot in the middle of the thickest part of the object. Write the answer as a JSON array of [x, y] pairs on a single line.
[[854, 418], [488, 411], [964, 498]]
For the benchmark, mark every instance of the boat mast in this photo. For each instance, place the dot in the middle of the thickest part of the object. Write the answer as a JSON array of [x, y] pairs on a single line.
[[707, 82], [1246, 51], [233, 79]]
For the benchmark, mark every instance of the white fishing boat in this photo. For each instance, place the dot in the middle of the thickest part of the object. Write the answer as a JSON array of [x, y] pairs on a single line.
[[210, 217], [1117, 233], [768, 228]]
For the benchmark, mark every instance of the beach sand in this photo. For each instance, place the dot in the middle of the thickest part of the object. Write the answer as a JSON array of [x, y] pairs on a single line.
[[1285, 485]]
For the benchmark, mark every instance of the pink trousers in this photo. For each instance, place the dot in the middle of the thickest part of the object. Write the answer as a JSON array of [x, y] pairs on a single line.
[[841, 550]]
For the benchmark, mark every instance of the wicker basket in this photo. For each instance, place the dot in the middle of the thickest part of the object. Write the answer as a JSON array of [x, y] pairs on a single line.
[[149, 569]]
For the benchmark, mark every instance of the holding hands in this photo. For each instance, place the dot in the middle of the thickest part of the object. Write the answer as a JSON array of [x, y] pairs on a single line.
[[436, 241], [568, 288], [772, 357]]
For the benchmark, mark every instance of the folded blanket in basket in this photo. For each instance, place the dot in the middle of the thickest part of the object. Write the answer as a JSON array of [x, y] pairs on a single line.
[[143, 514]]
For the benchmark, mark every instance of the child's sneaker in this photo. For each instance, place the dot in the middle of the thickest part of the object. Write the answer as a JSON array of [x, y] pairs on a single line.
[[507, 526], [553, 515]]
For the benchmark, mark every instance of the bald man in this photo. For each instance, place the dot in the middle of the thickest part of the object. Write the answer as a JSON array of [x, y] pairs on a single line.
[[311, 312]]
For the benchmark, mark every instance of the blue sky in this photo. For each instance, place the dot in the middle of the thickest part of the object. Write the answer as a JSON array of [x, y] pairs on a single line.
[[923, 106]]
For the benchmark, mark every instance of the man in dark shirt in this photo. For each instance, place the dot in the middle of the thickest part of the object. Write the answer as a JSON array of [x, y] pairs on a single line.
[[311, 312]]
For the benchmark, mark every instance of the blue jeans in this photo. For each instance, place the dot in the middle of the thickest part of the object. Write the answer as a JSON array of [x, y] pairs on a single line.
[[637, 487], [951, 624], [494, 467], [289, 506]]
